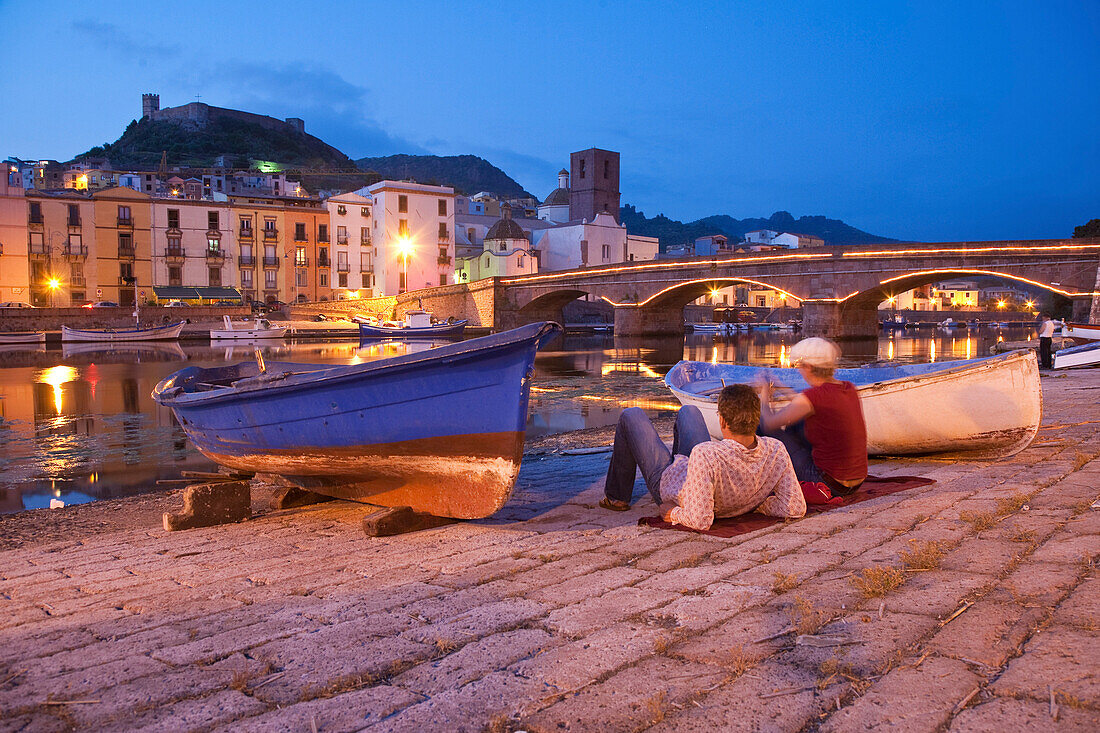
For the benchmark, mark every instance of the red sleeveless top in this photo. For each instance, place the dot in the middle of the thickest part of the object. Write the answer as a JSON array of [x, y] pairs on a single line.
[[836, 431]]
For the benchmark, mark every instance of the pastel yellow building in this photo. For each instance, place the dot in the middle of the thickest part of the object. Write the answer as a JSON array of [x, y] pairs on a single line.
[[60, 247], [14, 273], [123, 246]]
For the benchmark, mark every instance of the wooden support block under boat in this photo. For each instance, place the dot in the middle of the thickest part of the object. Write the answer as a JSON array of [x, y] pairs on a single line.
[[292, 497], [211, 504], [396, 520]]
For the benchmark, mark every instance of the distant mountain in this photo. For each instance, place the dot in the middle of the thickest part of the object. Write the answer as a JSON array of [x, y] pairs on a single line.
[[672, 233], [467, 174]]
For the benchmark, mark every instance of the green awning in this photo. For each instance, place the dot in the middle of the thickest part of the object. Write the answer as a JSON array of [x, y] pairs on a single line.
[[184, 293]]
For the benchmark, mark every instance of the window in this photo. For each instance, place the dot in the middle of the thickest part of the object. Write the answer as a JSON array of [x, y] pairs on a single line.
[[342, 261], [124, 214], [364, 235], [175, 249], [402, 204], [125, 271], [36, 212], [402, 227], [299, 232], [322, 279], [300, 259], [301, 278], [322, 232], [76, 273], [38, 245], [215, 277], [519, 260], [442, 278], [365, 211], [342, 279], [212, 220], [443, 231], [442, 207], [341, 235], [74, 215], [502, 246], [607, 169], [401, 287], [341, 210], [271, 281], [582, 169], [246, 278], [761, 301], [175, 276], [213, 245], [269, 225], [606, 251], [173, 218], [471, 234], [366, 280], [322, 257], [126, 244]]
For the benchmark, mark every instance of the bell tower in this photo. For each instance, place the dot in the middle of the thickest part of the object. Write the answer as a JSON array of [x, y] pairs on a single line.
[[594, 180]]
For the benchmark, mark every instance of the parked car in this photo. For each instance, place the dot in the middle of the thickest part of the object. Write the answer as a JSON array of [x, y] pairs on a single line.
[[15, 304], [227, 302], [101, 304], [175, 304]]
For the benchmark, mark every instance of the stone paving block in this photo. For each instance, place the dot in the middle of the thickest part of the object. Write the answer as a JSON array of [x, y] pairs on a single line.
[[1005, 714], [740, 640], [223, 644], [593, 613], [577, 589], [988, 632], [1040, 583], [448, 605], [578, 662], [475, 660], [1082, 607], [801, 564], [831, 591], [852, 542], [1061, 656], [908, 699], [1068, 548], [630, 700], [983, 555], [203, 713], [41, 722], [881, 641], [935, 593], [497, 697], [682, 580], [349, 711], [948, 531], [737, 705], [681, 555], [720, 602], [108, 650], [486, 572], [479, 622], [123, 701], [1087, 523], [15, 647], [77, 683]]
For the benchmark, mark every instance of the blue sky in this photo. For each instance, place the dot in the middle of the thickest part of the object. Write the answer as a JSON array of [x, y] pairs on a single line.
[[933, 121]]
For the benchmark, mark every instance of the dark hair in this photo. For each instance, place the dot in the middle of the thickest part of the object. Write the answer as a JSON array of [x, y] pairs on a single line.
[[739, 406]]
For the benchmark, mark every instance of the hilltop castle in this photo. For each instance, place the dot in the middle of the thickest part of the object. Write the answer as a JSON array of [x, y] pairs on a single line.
[[197, 115]]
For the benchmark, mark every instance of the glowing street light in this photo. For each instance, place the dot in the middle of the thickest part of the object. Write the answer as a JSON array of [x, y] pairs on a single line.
[[1001, 304], [1029, 304], [54, 285], [405, 249]]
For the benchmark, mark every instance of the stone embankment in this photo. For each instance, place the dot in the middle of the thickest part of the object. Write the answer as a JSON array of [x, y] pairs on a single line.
[[970, 604]]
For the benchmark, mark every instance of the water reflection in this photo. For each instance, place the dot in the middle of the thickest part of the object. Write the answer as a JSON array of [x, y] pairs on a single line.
[[78, 423]]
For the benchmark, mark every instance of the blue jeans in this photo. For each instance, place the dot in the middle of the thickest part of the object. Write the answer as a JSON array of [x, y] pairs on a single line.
[[637, 446], [793, 438]]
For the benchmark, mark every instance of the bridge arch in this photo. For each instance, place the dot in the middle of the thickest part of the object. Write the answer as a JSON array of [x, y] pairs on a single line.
[[680, 294], [892, 286]]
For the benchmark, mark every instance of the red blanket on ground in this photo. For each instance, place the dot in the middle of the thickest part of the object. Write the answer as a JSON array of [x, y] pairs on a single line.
[[873, 487]]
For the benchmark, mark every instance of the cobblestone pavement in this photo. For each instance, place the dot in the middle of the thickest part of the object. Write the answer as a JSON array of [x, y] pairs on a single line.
[[970, 604]]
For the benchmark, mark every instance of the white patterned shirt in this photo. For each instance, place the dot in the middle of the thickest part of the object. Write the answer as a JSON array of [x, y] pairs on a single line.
[[723, 478]]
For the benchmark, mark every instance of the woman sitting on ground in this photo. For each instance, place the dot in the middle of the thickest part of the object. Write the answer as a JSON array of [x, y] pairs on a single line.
[[822, 427]]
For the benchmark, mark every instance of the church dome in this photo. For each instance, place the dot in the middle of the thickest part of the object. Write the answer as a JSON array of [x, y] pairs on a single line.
[[505, 229], [558, 197]]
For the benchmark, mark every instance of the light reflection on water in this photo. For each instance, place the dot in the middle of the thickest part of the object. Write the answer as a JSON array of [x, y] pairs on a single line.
[[78, 423]]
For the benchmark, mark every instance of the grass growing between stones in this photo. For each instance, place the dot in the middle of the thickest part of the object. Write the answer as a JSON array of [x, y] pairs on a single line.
[[1011, 504], [877, 581], [784, 582], [805, 617], [978, 520], [740, 661], [926, 556]]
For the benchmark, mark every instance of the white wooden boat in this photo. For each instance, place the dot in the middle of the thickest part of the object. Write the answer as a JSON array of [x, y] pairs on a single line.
[[1082, 332], [979, 408], [169, 332], [706, 327], [261, 329], [1087, 354], [22, 337]]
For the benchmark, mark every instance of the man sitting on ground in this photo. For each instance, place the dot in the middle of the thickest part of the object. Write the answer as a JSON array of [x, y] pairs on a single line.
[[702, 479]]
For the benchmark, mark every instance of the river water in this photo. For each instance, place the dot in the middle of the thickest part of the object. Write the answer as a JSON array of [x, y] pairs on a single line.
[[77, 422]]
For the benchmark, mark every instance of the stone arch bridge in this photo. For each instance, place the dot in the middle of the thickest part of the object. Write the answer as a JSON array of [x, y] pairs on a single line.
[[839, 288]]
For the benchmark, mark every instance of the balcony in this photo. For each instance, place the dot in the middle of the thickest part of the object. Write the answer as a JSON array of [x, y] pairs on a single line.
[[75, 250], [33, 219], [300, 237], [324, 262], [76, 281], [341, 239], [365, 241], [343, 267], [122, 281], [301, 262], [246, 261], [245, 233], [38, 248], [322, 238], [271, 262], [175, 254], [444, 237], [215, 255], [125, 252], [214, 232], [271, 234], [444, 260], [74, 223], [126, 222]]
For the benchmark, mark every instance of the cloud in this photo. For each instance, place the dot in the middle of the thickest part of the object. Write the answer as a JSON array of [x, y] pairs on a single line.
[[111, 37]]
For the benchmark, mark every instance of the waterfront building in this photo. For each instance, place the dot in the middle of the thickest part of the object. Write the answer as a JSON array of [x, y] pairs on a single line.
[[61, 253], [594, 184], [506, 250], [14, 270], [193, 244], [787, 240], [123, 245], [352, 274], [412, 227], [601, 241]]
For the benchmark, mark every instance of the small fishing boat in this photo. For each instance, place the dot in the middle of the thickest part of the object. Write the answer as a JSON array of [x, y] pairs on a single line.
[[22, 337], [1087, 354], [168, 332], [897, 323], [261, 329], [1081, 332], [706, 327], [440, 431], [417, 324], [979, 408]]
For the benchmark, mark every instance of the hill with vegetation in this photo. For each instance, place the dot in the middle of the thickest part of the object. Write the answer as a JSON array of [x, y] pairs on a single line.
[[467, 174], [673, 233]]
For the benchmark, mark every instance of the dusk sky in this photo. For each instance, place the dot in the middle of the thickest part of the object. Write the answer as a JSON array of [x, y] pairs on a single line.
[[932, 121]]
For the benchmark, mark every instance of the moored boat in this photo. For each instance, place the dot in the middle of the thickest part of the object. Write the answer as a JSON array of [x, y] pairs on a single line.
[[417, 324], [168, 332], [1081, 332], [261, 329], [1087, 354], [980, 408], [22, 337], [440, 430]]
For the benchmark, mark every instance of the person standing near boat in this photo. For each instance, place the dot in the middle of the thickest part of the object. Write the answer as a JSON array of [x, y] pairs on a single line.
[[822, 427], [1046, 339], [701, 479]]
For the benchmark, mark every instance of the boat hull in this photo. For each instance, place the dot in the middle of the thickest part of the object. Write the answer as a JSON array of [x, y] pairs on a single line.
[[155, 333], [982, 408], [23, 337], [1081, 332], [247, 334], [367, 330], [1078, 356], [440, 431]]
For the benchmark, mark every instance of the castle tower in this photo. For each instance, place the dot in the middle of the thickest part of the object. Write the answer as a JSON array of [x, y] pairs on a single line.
[[150, 103], [594, 184]]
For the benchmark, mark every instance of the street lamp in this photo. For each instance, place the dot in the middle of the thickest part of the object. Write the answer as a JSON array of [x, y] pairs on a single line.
[[404, 248], [53, 284]]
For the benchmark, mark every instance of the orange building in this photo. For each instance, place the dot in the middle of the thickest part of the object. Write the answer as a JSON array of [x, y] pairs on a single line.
[[60, 247], [285, 241], [123, 244]]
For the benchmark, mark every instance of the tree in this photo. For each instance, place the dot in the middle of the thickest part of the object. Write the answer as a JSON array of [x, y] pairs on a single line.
[[1092, 229]]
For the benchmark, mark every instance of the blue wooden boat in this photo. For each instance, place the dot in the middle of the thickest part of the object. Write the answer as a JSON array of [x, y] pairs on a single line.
[[440, 431], [978, 408], [418, 324]]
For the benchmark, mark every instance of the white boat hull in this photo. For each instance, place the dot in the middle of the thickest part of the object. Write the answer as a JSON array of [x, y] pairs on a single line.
[[23, 337], [988, 409], [1078, 356], [155, 333], [1083, 331], [248, 334]]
